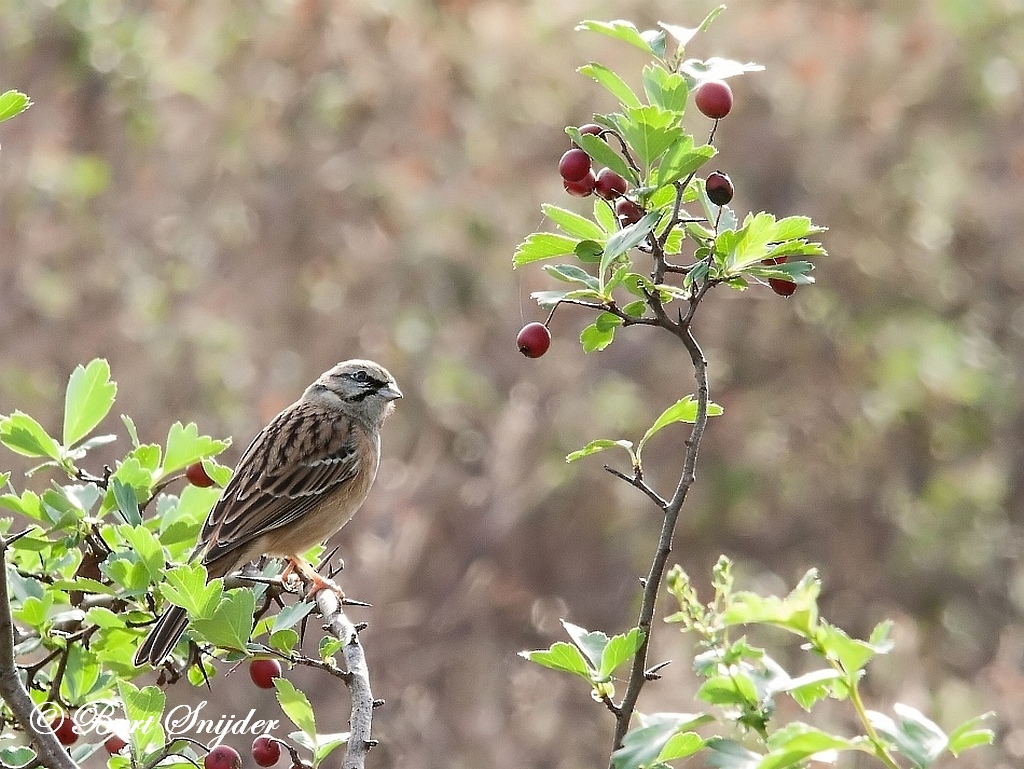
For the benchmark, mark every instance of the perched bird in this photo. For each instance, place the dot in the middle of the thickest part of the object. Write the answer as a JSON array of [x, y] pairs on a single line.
[[299, 481]]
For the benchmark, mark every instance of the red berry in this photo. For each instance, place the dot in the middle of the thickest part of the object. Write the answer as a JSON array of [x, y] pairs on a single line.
[[114, 744], [591, 128], [609, 185], [782, 287], [198, 476], [714, 99], [574, 165], [534, 340], [628, 212], [266, 751], [65, 729], [583, 187], [223, 757], [262, 672], [719, 188]]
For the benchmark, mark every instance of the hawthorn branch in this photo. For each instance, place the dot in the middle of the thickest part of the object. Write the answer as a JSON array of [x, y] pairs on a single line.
[[358, 683], [638, 674], [49, 752]]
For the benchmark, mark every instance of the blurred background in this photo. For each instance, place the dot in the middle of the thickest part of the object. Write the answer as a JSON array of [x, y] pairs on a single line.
[[224, 199]]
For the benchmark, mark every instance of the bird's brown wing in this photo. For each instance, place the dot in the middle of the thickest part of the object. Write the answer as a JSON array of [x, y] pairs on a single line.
[[300, 457]]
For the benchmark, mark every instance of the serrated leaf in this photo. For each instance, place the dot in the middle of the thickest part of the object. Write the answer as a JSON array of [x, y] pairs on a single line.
[[591, 642], [683, 410], [146, 547], [186, 586], [13, 103], [560, 656], [649, 130], [185, 445], [619, 649], [681, 160], [296, 706], [572, 224], [143, 707], [23, 435], [231, 622], [600, 445], [810, 687], [665, 89], [542, 245], [89, 398], [620, 30], [612, 82]]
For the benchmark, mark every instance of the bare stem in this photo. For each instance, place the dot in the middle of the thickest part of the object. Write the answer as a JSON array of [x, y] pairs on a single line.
[[652, 585]]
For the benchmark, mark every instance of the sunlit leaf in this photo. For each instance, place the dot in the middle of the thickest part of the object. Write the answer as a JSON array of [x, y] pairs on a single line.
[[89, 398], [542, 245], [13, 103], [615, 84]]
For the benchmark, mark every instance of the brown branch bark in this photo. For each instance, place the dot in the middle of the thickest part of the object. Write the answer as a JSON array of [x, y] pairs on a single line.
[[49, 752], [358, 683]]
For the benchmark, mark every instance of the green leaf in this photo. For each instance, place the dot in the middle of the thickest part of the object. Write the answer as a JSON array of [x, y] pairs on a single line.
[[680, 745], [797, 742], [918, 738], [16, 756], [186, 587], [683, 410], [13, 103], [591, 642], [127, 501], [326, 744], [796, 612], [851, 653], [749, 244], [737, 688], [682, 159], [231, 622], [810, 687], [603, 154], [144, 709], [796, 227], [23, 435], [146, 547], [644, 745], [290, 615], [542, 245], [561, 656], [296, 706], [572, 224], [598, 335], [729, 754], [615, 84], [619, 649], [619, 29], [185, 445], [665, 89], [627, 238], [716, 68], [570, 273], [600, 445], [89, 398], [604, 215], [969, 735], [649, 130], [683, 35]]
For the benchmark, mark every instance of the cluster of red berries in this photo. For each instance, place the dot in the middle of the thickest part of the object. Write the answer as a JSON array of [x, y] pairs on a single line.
[[714, 99], [67, 734]]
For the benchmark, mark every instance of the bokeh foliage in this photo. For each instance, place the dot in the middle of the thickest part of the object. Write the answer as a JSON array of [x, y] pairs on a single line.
[[222, 199]]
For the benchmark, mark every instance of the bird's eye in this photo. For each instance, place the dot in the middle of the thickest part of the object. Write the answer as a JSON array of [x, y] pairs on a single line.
[[361, 376]]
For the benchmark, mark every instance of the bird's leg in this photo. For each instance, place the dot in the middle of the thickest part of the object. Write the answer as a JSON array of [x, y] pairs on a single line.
[[313, 581]]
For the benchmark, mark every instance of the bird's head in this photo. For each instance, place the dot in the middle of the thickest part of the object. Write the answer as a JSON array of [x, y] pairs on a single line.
[[361, 388]]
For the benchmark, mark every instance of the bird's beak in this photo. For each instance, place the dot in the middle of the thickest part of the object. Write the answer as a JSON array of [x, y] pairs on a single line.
[[390, 393]]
